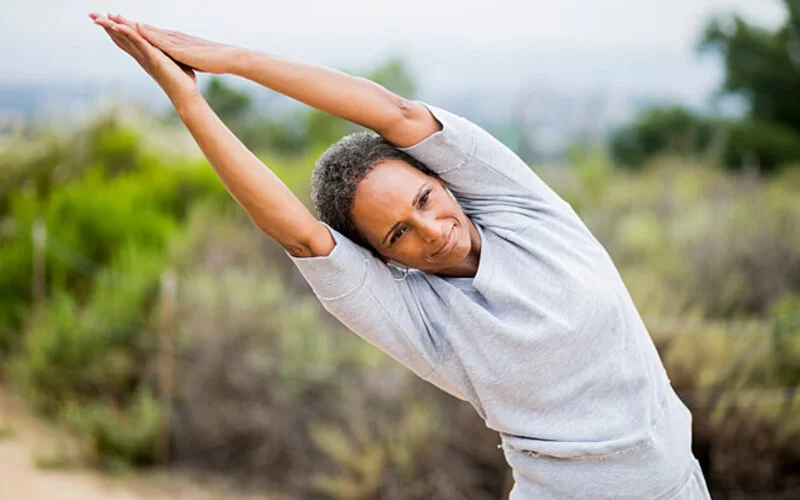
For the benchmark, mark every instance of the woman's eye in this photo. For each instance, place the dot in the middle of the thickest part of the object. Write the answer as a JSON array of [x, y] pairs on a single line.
[[424, 198], [398, 234], [422, 201]]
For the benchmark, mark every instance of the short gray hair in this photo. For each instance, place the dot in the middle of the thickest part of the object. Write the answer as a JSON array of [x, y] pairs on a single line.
[[339, 170]]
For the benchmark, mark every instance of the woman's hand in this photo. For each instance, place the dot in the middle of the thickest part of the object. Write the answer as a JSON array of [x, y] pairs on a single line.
[[197, 53], [177, 80]]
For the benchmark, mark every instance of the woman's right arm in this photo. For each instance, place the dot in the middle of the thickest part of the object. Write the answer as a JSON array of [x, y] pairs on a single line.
[[352, 98], [270, 204]]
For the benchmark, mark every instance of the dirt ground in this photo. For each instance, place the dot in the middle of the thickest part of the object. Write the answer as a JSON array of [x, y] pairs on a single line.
[[26, 440]]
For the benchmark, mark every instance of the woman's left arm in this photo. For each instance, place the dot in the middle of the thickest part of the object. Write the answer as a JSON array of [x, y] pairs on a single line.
[[265, 198]]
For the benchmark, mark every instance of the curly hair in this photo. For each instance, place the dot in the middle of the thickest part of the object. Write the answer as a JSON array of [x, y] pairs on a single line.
[[339, 170]]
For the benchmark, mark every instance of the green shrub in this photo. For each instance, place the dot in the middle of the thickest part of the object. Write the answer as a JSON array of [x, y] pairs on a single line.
[[661, 130], [687, 238], [679, 131], [53, 157], [118, 437], [114, 145], [82, 352], [90, 219], [764, 145], [786, 339]]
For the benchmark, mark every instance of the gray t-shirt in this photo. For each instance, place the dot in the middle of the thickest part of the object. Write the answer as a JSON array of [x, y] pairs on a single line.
[[544, 342]]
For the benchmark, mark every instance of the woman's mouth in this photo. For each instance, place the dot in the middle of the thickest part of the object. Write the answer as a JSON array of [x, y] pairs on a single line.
[[448, 243]]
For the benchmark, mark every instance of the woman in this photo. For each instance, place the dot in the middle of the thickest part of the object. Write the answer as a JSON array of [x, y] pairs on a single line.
[[441, 247]]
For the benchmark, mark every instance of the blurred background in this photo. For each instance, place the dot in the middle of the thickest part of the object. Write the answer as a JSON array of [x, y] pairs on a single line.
[[154, 343]]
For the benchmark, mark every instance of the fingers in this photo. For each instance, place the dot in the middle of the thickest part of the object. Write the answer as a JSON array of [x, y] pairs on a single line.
[[127, 45], [103, 21], [126, 39], [147, 34], [115, 19], [119, 24], [118, 18], [134, 38], [161, 39], [152, 34]]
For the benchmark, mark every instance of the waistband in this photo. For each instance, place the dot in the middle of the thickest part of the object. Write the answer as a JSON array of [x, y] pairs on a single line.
[[653, 464]]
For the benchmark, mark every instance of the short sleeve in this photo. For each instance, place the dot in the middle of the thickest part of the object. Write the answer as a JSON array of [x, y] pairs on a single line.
[[361, 292], [480, 170]]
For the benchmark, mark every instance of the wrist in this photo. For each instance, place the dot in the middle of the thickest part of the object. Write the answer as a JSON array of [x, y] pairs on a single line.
[[186, 101], [239, 61], [231, 60]]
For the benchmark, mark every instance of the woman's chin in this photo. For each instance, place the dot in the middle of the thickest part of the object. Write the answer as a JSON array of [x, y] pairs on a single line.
[[456, 255]]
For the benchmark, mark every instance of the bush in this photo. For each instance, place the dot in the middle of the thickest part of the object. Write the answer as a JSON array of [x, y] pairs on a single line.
[[786, 339], [90, 219], [661, 130], [764, 145], [100, 349], [679, 131], [687, 238], [118, 438]]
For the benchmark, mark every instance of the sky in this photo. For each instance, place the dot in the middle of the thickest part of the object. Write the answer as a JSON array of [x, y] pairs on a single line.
[[635, 44]]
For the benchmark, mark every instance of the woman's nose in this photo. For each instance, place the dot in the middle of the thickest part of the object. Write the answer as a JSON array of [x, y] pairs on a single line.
[[430, 230]]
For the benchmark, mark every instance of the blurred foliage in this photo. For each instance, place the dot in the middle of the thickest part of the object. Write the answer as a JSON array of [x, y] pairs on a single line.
[[761, 144], [676, 130], [123, 198], [362, 456], [762, 65], [690, 229], [763, 68], [118, 437], [229, 103], [786, 337], [661, 129], [93, 349], [111, 207]]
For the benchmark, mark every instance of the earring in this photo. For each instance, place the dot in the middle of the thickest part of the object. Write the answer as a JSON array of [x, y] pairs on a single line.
[[405, 274]]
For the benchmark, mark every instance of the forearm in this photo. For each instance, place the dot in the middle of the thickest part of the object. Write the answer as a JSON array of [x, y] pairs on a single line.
[[266, 199], [352, 98]]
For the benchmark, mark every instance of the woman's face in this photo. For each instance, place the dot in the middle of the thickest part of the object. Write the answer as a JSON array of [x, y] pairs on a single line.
[[408, 216]]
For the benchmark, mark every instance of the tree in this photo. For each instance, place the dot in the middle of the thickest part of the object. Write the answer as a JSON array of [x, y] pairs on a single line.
[[395, 76], [761, 65], [658, 130], [229, 103], [322, 128]]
